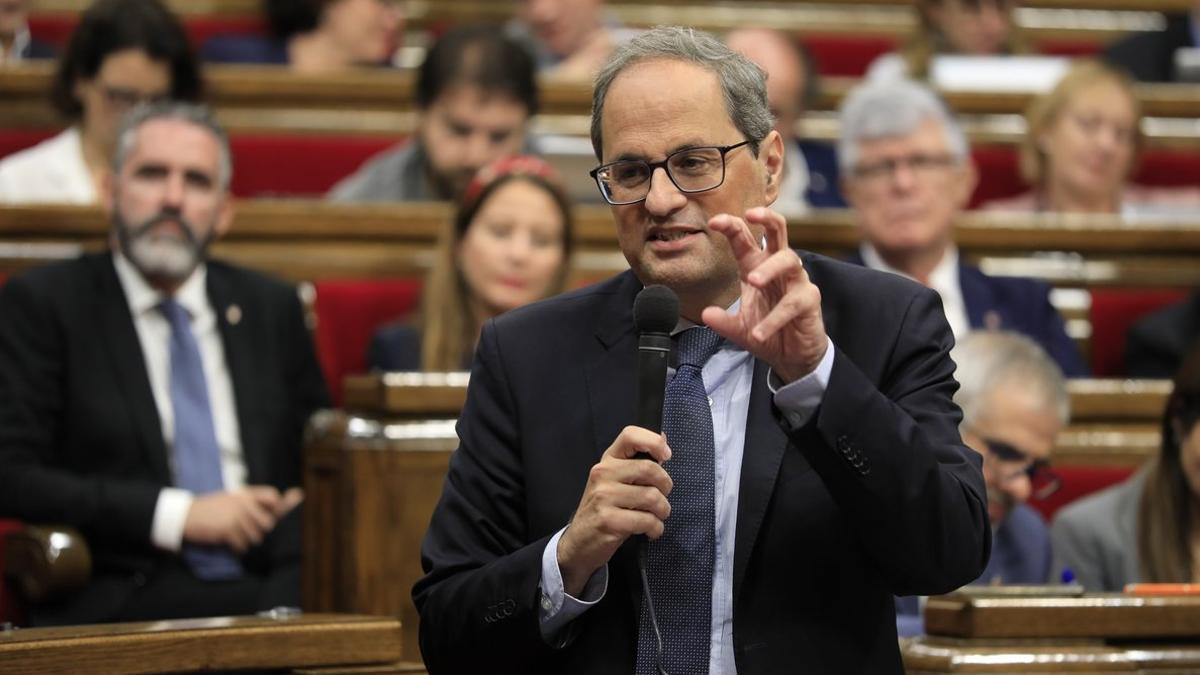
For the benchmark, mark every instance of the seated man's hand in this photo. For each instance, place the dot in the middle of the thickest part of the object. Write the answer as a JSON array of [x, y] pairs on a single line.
[[624, 496], [238, 519]]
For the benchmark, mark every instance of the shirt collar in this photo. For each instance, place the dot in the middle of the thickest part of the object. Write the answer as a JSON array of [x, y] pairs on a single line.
[[20, 42], [943, 276], [143, 297]]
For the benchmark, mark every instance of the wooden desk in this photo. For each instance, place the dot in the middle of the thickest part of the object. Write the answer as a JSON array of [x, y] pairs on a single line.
[[306, 240], [1089, 633], [317, 642]]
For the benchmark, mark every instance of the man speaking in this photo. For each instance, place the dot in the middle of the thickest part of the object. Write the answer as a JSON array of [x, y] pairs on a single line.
[[810, 466]]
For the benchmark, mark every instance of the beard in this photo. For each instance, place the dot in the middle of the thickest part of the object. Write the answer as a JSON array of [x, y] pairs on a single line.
[[162, 257]]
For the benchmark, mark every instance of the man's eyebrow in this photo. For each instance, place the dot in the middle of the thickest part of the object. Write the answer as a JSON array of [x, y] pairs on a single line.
[[688, 145]]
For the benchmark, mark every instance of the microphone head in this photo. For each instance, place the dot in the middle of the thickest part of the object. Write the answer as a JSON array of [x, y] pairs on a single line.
[[656, 310]]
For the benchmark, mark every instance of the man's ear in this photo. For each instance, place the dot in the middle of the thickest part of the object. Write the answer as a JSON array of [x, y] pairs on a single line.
[[225, 217], [770, 153]]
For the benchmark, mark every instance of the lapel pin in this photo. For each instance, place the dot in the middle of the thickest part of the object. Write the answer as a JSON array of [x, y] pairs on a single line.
[[233, 314]]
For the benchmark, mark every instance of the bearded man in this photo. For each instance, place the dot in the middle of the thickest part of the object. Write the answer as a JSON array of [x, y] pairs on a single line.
[[155, 399]]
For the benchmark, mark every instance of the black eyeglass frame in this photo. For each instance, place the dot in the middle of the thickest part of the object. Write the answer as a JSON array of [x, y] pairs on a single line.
[[1037, 469], [665, 166]]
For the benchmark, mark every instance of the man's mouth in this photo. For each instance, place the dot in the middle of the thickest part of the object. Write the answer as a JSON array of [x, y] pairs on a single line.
[[670, 234]]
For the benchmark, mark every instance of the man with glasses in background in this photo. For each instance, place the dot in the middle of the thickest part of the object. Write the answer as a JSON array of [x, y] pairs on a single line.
[[809, 433], [907, 174], [1014, 402]]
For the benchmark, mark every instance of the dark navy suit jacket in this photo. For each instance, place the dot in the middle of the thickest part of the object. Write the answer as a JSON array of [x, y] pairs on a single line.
[[833, 519], [1019, 305], [824, 189], [1020, 555]]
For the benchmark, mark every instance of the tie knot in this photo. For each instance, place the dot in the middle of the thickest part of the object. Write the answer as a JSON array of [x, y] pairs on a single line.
[[174, 312], [695, 346]]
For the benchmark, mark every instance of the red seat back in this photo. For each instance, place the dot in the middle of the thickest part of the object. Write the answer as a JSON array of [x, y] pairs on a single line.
[[348, 313], [56, 28], [1113, 312], [298, 164], [15, 140], [1079, 481], [838, 55]]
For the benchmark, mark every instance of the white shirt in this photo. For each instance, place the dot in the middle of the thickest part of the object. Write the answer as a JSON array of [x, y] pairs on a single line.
[[52, 171], [154, 332], [794, 185], [19, 43], [943, 279]]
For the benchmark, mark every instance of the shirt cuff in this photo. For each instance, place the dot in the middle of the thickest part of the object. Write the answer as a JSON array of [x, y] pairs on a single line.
[[799, 400], [556, 608], [170, 515]]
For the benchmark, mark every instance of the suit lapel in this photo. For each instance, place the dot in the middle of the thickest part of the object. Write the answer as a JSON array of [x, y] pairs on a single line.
[[129, 365], [237, 342], [976, 295]]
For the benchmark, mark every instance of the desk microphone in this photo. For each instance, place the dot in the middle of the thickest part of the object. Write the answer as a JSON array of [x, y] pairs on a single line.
[[655, 313]]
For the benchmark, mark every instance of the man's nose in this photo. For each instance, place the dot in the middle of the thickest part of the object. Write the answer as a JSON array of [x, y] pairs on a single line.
[[173, 190], [663, 197]]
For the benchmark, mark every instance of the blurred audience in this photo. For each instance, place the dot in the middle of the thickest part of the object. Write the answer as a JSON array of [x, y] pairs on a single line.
[[508, 245], [476, 92], [1151, 56], [1081, 146], [1147, 528], [1014, 402], [962, 27], [1158, 342], [155, 399], [810, 177], [122, 52], [316, 36], [569, 38], [16, 44], [907, 174]]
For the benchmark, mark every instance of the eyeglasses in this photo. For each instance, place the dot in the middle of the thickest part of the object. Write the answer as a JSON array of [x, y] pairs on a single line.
[[123, 97], [627, 181], [920, 164], [1043, 479]]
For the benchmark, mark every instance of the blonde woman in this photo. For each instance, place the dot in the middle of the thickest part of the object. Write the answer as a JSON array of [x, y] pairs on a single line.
[[508, 245], [1082, 144]]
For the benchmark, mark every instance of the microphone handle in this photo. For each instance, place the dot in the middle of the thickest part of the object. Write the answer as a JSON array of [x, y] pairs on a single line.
[[654, 353]]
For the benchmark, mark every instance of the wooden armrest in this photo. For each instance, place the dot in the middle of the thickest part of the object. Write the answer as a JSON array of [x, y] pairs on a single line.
[[47, 560]]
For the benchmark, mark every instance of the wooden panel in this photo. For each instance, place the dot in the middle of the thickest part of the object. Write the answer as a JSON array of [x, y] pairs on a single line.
[[1118, 400], [929, 655], [237, 643], [1101, 615]]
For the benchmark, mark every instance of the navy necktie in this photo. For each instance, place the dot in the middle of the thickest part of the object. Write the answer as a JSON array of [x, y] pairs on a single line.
[[197, 455], [680, 563]]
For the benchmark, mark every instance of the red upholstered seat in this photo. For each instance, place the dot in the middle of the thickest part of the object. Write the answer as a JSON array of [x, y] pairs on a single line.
[[298, 164], [1079, 481], [56, 28], [348, 313], [847, 55], [1113, 312], [10, 609], [14, 140]]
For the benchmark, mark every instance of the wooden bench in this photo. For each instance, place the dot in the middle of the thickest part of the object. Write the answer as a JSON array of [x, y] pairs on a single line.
[[309, 643]]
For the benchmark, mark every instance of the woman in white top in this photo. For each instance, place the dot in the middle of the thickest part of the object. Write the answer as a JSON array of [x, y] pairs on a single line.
[[122, 53], [967, 27]]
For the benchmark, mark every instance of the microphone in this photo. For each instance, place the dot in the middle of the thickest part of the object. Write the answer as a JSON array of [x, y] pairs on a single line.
[[655, 313]]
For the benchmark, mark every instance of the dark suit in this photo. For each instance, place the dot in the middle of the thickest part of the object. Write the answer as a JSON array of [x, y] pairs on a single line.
[[824, 189], [1150, 56], [874, 496], [1019, 305], [80, 438], [37, 49], [1160, 341]]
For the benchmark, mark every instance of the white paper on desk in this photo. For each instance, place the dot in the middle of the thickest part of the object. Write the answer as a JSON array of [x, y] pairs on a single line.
[[1033, 74]]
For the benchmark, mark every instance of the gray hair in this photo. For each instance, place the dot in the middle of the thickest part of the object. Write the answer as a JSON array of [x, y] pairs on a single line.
[[893, 106], [743, 84], [987, 360], [194, 113]]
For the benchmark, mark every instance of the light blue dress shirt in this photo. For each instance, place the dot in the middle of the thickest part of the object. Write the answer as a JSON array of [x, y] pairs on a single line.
[[728, 376]]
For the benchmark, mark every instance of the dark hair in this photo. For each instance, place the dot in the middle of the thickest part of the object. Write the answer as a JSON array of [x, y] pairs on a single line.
[[286, 18], [1165, 522], [110, 26], [481, 56]]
